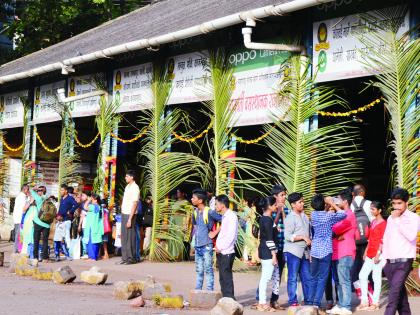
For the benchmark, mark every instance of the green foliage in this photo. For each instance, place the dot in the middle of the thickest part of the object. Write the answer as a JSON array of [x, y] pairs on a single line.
[[25, 176], [398, 80], [321, 160], [221, 111], [106, 120], [164, 171], [61, 19]]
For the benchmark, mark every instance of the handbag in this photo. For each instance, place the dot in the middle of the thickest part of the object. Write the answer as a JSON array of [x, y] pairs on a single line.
[[107, 224]]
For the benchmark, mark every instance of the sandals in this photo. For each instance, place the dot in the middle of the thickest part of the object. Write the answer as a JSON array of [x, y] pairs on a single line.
[[265, 308], [277, 306], [373, 307], [363, 307]]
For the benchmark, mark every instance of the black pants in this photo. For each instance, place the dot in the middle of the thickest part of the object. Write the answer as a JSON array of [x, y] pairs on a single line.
[[281, 262], [225, 264], [358, 263], [397, 274], [128, 239], [38, 230]]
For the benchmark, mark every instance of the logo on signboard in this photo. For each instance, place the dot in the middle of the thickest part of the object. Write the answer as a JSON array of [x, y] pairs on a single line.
[[117, 81], [322, 38], [72, 87]]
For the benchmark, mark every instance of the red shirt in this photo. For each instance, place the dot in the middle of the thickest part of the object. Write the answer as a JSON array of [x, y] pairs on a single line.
[[347, 229], [377, 231]]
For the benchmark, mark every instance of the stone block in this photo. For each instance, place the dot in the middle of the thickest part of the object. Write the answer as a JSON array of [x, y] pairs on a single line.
[[175, 301], [204, 298], [137, 302], [20, 270], [302, 310], [33, 262], [150, 291], [43, 273], [125, 290], [63, 275], [29, 271], [227, 306], [94, 276], [13, 262]]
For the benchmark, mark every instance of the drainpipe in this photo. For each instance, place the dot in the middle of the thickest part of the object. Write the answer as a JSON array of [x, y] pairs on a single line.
[[247, 32], [271, 10]]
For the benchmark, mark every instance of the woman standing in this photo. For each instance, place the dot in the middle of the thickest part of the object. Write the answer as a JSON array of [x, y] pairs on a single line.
[[266, 250], [373, 260], [94, 228]]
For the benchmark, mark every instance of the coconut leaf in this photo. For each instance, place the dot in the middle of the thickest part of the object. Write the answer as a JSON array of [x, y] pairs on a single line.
[[322, 160]]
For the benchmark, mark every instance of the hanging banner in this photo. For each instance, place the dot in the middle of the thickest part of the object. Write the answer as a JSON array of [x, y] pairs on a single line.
[[337, 49], [79, 86], [132, 86], [11, 109], [44, 99]]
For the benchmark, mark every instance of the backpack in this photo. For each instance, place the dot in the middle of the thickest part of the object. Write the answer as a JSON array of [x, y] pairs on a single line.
[[148, 216], [48, 212], [362, 222]]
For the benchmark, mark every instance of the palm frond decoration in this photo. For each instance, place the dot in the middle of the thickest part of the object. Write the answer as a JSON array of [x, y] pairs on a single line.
[[397, 76], [106, 120], [321, 160], [398, 80], [164, 170], [249, 174], [25, 174], [68, 159]]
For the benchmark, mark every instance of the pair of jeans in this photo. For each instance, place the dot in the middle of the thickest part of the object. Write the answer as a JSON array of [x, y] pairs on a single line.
[[320, 268], [38, 230], [369, 266], [342, 272], [329, 287], [298, 266], [58, 247], [267, 269], [397, 274], [138, 240], [225, 264], [204, 265], [17, 234]]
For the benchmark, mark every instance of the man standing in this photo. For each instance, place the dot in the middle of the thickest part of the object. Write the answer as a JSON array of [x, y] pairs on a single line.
[[204, 219], [22, 203], [297, 240], [225, 245], [399, 250], [344, 251], [128, 214], [361, 209], [67, 207]]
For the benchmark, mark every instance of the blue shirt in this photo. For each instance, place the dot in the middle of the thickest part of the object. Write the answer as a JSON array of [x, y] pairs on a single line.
[[280, 229], [67, 204], [322, 223], [202, 229]]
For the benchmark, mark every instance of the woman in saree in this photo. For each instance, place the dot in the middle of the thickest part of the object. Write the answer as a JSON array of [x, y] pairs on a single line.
[[94, 228]]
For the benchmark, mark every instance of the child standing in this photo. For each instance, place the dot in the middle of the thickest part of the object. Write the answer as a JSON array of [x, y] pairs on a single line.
[[203, 220], [59, 237]]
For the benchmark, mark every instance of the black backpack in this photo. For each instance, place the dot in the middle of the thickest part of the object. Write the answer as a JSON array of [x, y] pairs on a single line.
[[362, 222], [147, 216]]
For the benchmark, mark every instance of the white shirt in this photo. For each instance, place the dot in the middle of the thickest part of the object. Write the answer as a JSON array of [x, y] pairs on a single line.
[[20, 203], [131, 195], [366, 206]]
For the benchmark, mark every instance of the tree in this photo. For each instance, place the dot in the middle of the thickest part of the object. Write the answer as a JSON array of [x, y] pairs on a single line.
[[61, 19]]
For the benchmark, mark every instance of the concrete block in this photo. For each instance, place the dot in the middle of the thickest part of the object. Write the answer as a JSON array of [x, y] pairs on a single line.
[[63, 275], [227, 306], [204, 298], [125, 290]]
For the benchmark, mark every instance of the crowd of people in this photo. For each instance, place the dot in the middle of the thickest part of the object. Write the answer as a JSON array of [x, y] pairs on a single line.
[[346, 240]]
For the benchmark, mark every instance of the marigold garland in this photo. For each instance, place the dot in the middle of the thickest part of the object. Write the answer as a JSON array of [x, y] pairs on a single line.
[[192, 139], [138, 136], [87, 145], [46, 148], [351, 112], [8, 147]]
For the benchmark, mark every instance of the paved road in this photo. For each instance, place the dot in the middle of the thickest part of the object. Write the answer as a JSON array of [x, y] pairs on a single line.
[[20, 295]]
